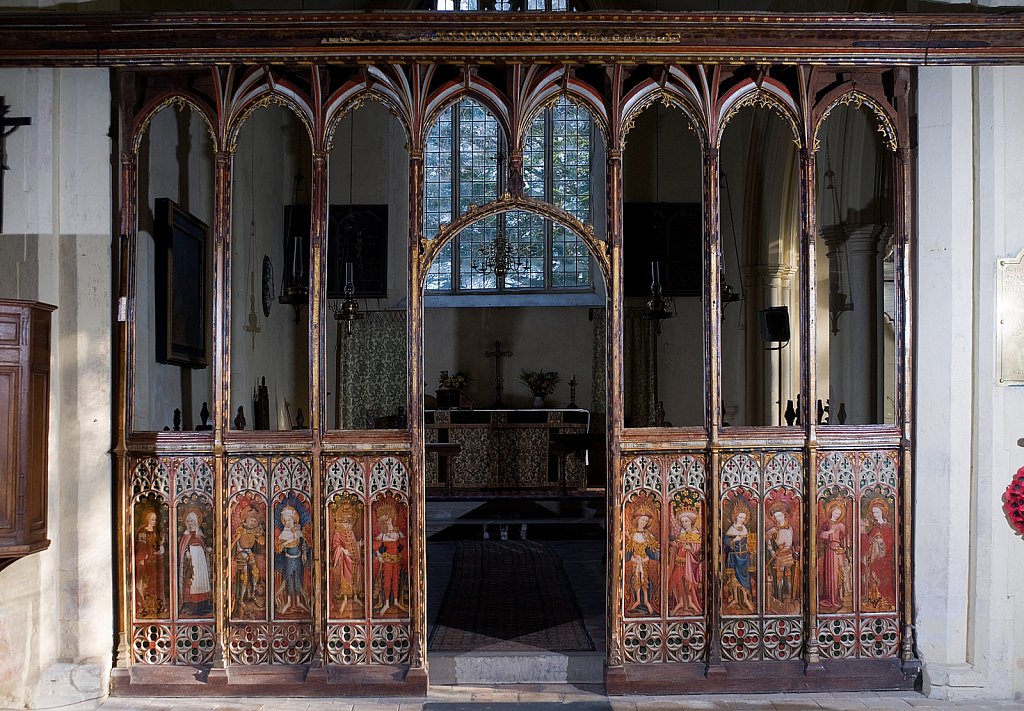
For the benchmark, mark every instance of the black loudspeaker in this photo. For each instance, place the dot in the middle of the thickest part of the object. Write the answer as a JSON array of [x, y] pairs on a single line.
[[774, 322]]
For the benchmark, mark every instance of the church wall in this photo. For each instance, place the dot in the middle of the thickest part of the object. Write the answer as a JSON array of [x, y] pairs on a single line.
[[176, 162], [540, 338], [967, 570], [272, 145], [56, 606]]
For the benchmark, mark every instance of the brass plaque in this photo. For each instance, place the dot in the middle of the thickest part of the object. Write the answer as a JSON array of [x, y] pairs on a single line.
[[1010, 311]]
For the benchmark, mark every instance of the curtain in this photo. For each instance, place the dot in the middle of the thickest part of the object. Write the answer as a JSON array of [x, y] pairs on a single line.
[[638, 366], [373, 369]]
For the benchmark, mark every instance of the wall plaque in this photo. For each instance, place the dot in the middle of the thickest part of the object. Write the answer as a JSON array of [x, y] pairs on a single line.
[[1010, 312]]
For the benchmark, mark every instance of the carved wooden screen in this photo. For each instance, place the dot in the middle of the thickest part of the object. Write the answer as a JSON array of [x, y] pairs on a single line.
[[784, 548]]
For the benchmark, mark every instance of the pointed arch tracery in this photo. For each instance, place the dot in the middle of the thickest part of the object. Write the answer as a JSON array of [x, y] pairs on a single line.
[[651, 92], [180, 100], [508, 203], [257, 91], [352, 98], [856, 99], [474, 88], [547, 89], [771, 94]]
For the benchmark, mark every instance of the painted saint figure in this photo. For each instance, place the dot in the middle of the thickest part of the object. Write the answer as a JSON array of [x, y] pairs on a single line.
[[877, 540], [150, 561], [247, 545], [346, 559], [642, 553], [686, 567], [738, 560], [832, 558], [293, 556], [782, 558], [388, 551], [195, 573]]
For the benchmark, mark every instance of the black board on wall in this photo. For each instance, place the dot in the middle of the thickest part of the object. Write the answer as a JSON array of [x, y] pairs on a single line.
[[670, 233], [356, 234]]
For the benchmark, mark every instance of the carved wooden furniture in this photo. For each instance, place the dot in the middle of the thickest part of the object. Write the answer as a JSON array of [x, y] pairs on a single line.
[[24, 427]]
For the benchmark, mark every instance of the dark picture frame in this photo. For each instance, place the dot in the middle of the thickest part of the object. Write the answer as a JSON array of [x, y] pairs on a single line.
[[182, 249], [670, 233], [356, 234]]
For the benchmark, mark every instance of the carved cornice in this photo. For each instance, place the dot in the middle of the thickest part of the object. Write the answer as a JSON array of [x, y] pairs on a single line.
[[106, 39]]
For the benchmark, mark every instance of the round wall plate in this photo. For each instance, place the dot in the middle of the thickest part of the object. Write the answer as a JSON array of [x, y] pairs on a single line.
[[268, 285]]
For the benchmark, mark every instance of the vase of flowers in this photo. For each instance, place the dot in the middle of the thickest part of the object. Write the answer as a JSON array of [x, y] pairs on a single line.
[[450, 387], [541, 383]]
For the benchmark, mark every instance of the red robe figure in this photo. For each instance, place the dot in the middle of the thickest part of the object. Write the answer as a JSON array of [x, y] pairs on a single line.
[[389, 554]]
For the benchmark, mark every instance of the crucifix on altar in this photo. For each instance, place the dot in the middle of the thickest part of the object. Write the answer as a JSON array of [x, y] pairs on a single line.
[[498, 355]]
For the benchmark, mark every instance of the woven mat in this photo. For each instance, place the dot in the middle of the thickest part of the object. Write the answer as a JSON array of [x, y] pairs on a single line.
[[508, 595]]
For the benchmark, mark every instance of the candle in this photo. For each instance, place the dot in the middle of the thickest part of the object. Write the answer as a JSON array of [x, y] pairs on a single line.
[[655, 279], [349, 286]]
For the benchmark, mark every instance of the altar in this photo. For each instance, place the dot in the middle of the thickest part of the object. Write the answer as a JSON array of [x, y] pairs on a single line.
[[506, 449]]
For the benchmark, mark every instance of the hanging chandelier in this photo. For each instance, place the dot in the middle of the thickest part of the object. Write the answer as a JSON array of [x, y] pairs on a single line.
[[502, 257]]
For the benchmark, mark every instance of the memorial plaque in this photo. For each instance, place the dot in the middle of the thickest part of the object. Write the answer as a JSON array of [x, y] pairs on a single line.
[[1010, 311]]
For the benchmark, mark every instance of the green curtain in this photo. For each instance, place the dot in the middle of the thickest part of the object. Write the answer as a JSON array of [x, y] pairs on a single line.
[[373, 368], [638, 366]]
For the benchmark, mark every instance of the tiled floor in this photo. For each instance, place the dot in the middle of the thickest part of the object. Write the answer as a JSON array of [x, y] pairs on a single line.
[[564, 698]]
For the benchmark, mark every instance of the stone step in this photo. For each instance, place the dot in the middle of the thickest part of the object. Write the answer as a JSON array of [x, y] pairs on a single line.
[[489, 667]]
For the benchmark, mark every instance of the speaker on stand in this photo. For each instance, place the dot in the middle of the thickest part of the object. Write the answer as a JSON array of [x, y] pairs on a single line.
[[774, 323]]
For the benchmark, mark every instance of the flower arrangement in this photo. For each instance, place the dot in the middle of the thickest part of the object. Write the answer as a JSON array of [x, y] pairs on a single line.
[[540, 382], [459, 381]]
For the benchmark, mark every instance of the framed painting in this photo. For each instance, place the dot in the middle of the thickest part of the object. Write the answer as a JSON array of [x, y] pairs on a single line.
[[182, 246]]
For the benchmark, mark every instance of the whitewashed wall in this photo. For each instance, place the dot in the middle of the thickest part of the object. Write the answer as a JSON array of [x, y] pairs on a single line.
[[968, 570], [56, 607]]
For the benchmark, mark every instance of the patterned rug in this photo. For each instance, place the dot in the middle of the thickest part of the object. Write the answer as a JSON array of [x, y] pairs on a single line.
[[508, 596]]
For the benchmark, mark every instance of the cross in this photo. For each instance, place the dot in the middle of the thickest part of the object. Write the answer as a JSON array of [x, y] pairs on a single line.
[[497, 354], [7, 127]]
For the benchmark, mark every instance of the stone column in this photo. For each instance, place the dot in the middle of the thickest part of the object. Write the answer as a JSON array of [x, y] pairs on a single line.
[[855, 361]]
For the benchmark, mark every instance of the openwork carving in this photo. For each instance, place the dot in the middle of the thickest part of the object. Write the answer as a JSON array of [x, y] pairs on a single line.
[[686, 471], [249, 644], [268, 99], [836, 469], [292, 643], [642, 642], [857, 100], [193, 474], [783, 638], [784, 469], [247, 474], [193, 644], [346, 644], [345, 474], [151, 644], [389, 644], [389, 473], [291, 473], [668, 99], [685, 641], [762, 99], [641, 473], [879, 637], [879, 468], [151, 475], [181, 103], [741, 639], [741, 470], [837, 638]]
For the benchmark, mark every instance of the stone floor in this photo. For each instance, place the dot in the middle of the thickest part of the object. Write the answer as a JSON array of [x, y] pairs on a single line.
[[560, 698]]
